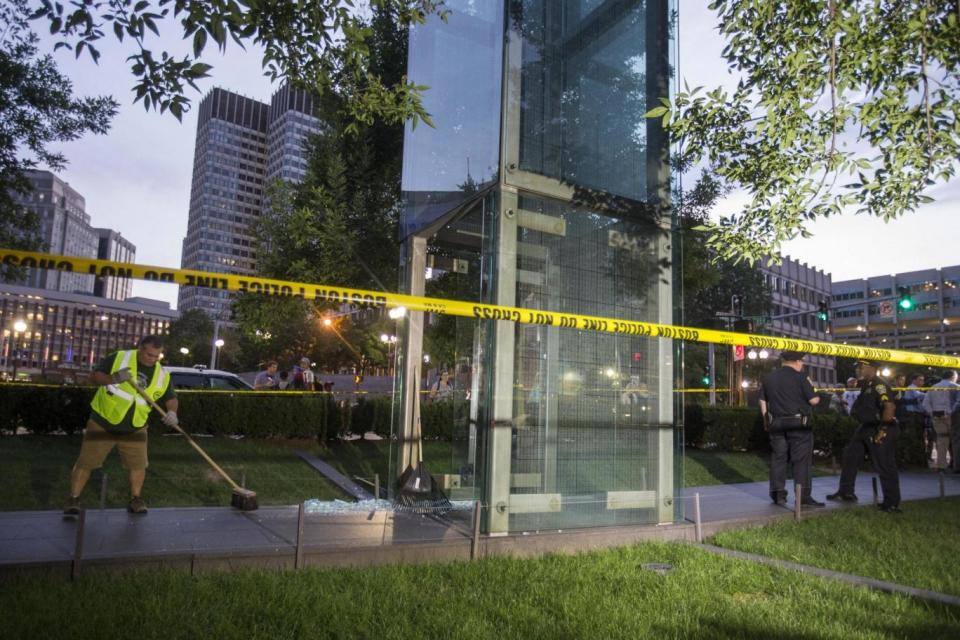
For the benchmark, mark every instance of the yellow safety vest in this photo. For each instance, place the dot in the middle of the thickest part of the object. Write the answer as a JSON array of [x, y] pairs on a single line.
[[113, 401]]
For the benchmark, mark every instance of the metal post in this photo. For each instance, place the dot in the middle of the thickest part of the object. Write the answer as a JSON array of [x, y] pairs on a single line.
[[298, 558], [103, 490], [711, 363], [698, 527], [876, 499], [833, 465], [376, 486], [474, 542], [78, 547], [797, 501]]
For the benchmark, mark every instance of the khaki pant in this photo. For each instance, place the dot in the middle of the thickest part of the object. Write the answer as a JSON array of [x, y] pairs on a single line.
[[941, 425], [98, 443]]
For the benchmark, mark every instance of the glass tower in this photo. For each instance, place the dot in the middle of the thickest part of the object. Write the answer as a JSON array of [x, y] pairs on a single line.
[[543, 186]]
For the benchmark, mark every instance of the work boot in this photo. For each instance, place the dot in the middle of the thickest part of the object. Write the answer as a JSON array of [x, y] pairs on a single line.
[[810, 502], [72, 507], [779, 497], [842, 497], [137, 505], [889, 508]]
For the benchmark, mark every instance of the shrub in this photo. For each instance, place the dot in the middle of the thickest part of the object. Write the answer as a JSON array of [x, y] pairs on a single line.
[[731, 428]]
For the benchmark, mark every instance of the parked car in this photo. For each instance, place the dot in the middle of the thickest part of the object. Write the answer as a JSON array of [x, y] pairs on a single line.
[[200, 377]]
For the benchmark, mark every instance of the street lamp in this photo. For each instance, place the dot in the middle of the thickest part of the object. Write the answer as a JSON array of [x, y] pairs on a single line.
[[391, 341], [19, 326], [397, 312], [218, 344]]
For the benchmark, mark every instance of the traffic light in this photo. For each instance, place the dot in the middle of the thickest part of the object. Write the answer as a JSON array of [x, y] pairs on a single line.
[[823, 313], [906, 302], [707, 377]]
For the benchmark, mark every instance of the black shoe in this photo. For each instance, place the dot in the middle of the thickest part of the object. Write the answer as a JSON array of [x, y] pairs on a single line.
[[779, 498], [889, 508], [137, 505], [842, 497], [72, 508], [810, 502]]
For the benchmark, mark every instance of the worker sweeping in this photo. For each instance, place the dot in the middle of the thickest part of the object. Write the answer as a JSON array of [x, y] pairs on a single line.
[[118, 418]]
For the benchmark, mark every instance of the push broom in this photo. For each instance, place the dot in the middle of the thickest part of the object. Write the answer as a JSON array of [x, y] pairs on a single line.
[[242, 499]]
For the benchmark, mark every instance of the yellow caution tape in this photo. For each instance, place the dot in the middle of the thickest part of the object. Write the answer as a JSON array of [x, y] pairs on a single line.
[[347, 295]]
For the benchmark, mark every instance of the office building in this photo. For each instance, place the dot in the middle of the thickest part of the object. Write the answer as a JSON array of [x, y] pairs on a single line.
[[69, 330], [113, 246], [64, 228], [866, 311], [242, 145], [796, 293]]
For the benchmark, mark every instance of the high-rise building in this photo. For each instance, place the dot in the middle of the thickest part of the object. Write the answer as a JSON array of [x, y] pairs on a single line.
[[64, 227], [242, 145], [290, 124], [796, 293], [867, 311], [113, 246]]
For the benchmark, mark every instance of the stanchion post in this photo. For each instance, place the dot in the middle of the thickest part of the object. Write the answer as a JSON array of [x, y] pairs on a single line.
[[797, 501], [833, 464], [697, 524], [78, 546], [475, 541], [103, 490], [298, 558], [876, 498], [376, 486]]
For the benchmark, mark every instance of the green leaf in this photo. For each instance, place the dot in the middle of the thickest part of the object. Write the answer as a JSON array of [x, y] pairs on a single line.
[[199, 42]]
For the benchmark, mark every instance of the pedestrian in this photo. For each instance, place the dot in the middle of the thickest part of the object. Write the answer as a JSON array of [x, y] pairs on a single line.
[[442, 388], [940, 403], [284, 380], [877, 433], [787, 399], [267, 379], [303, 377], [850, 395], [911, 417], [118, 418]]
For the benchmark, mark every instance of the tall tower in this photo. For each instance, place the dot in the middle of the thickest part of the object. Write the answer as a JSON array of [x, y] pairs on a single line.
[[542, 185], [242, 146], [229, 163]]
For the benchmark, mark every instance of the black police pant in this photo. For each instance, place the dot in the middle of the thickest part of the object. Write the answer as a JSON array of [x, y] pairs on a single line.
[[884, 456], [796, 444]]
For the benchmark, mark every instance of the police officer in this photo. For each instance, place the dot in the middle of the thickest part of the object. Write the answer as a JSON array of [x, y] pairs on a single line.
[[875, 410], [786, 401]]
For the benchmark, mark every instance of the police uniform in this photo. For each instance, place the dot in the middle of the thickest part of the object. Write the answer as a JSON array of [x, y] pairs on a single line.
[[875, 436], [787, 394]]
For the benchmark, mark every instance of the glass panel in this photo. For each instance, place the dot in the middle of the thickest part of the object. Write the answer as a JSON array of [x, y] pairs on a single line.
[[588, 406], [460, 61], [584, 92]]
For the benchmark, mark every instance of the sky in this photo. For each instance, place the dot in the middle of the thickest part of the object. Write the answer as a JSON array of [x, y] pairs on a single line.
[[136, 179]]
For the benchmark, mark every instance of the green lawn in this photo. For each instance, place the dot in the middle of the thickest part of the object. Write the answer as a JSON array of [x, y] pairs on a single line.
[[918, 548], [598, 595], [35, 472]]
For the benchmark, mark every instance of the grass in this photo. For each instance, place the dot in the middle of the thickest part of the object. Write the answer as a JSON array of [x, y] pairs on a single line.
[[917, 548], [597, 595], [35, 473], [723, 467]]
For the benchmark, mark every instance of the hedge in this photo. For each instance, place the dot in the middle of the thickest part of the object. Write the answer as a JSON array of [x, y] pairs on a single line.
[[47, 409]]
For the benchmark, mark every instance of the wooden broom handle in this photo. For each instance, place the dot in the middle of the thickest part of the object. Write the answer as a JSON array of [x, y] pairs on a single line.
[[203, 453]]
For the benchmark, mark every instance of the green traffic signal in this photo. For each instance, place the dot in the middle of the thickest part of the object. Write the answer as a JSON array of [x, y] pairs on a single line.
[[705, 380], [905, 302]]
